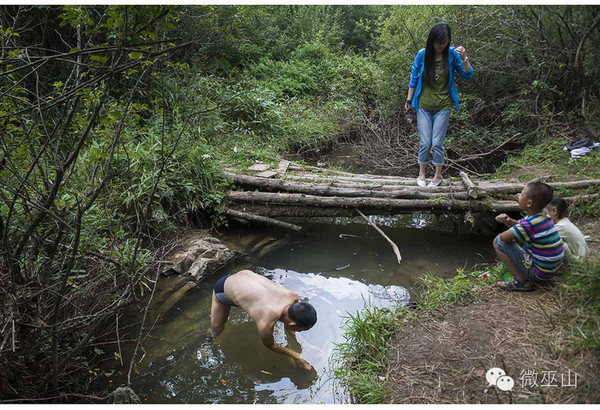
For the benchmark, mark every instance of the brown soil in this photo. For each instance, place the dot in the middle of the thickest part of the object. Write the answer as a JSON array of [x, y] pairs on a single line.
[[444, 359]]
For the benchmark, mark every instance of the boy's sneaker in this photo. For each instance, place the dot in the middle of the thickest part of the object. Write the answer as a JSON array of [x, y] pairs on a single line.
[[516, 285]]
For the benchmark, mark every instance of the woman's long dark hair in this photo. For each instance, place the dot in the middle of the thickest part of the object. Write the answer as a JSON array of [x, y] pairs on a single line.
[[438, 34]]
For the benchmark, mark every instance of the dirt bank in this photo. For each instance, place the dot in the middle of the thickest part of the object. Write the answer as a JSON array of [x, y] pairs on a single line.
[[444, 358]]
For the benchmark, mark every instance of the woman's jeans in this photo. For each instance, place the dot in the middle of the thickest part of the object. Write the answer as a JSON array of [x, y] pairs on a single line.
[[432, 127]]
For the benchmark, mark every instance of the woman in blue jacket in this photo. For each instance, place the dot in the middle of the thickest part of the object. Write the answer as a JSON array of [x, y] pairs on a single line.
[[432, 92]]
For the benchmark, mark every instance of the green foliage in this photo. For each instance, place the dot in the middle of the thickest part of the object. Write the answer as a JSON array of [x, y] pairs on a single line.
[[277, 106], [363, 353], [549, 156], [438, 293]]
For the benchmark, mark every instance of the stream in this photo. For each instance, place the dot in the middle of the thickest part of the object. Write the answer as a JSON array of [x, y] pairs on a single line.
[[341, 268]]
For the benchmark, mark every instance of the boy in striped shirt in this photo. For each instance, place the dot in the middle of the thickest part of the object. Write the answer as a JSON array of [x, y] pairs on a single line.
[[541, 254]]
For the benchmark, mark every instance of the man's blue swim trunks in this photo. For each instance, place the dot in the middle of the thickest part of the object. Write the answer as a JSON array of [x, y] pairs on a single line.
[[220, 292]]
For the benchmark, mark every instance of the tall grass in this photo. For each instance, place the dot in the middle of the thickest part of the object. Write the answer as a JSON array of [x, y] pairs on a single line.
[[363, 354]]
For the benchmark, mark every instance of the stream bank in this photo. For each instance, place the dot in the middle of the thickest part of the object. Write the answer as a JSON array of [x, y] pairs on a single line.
[[441, 351]]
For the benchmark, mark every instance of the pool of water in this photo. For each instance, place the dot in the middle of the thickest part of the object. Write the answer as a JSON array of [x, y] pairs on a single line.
[[340, 267]]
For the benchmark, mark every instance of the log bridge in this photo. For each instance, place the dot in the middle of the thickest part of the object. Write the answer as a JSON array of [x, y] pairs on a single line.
[[290, 189]]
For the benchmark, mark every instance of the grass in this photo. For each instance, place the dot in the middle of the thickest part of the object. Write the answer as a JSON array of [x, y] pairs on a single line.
[[581, 292], [362, 357], [364, 351], [548, 157]]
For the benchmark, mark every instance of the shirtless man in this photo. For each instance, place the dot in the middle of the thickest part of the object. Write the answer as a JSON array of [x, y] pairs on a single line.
[[266, 302]]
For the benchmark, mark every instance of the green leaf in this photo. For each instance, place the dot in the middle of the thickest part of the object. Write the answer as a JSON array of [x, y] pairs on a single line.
[[135, 55], [99, 59]]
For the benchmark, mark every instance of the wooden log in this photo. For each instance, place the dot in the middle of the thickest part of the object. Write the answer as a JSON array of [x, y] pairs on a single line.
[[366, 202], [330, 171], [328, 190], [348, 175], [394, 246], [581, 197], [259, 167], [267, 174], [295, 211], [307, 211], [283, 167], [262, 220], [386, 181], [292, 211], [382, 187], [490, 187], [176, 297], [294, 166], [472, 189]]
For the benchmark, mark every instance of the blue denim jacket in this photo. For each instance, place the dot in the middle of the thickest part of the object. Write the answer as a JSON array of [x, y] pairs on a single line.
[[455, 64]]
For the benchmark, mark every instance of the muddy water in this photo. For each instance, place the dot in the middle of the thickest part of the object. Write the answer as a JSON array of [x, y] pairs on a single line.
[[341, 268]]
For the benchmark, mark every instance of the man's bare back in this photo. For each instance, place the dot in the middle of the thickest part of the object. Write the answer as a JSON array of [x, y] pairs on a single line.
[[266, 302]]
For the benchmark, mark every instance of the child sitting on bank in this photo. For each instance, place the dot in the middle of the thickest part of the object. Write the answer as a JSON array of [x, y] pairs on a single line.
[[574, 242], [542, 252]]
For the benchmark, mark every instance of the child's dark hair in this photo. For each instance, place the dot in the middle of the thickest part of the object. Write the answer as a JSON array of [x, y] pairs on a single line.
[[540, 194], [562, 208], [303, 313]]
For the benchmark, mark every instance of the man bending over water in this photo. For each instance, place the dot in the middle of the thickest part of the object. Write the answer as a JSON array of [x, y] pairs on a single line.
[[266, 302]]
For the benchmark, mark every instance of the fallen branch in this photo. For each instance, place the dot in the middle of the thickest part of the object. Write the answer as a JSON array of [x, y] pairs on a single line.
[[262, 219], [175, 297], [139, 338], [119, 339], [291, 211], [394, 246], [479, 156]]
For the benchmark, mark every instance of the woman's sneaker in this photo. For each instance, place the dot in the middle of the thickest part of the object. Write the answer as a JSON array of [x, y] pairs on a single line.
[[435, 182], [421, 182]]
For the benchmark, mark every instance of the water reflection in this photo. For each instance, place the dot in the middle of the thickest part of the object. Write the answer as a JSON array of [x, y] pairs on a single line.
[[185, 364]]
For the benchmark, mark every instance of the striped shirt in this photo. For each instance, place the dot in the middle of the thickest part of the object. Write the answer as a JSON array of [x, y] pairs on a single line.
[[538, 231]]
